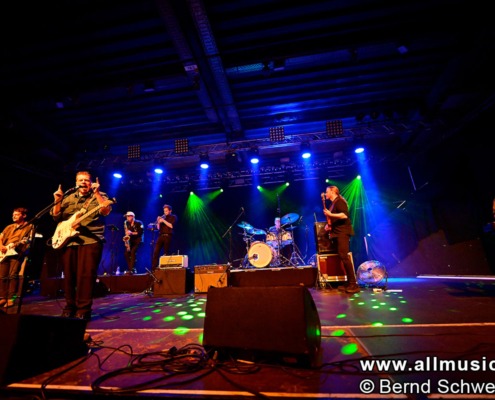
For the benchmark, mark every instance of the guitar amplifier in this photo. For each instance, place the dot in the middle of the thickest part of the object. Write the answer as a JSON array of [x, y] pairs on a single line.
[[206, 276], [331, 269], [173, 261]]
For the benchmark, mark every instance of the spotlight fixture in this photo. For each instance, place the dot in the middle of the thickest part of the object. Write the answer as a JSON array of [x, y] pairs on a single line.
[[204, 161], [181, 146], [277, 134], [335, 128], [305, 150], [134, 151], [254, 155]]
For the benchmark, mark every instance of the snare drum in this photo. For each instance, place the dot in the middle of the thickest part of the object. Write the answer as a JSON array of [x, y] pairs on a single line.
[[260, 254]]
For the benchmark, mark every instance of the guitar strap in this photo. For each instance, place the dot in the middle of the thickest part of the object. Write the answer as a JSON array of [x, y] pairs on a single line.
[[333, 203], [84, 208]]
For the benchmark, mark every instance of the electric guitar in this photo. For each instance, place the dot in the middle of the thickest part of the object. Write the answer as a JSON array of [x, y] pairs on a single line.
[[328, 226], [67, 229], [9, 252]]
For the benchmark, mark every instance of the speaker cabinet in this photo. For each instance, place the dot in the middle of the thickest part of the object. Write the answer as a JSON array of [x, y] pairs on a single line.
[[263, 324], [33, 344], [171, 281], [323, 243], [206, 276], [331, 269]]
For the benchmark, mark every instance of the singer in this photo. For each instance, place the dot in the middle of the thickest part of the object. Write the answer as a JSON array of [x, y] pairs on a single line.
[[165, 225], [83, 249]]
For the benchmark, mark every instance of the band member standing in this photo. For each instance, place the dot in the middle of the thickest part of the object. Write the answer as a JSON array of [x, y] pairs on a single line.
[[134, 235], [340, 230], [82, 253], [15, 241], [165, 225]]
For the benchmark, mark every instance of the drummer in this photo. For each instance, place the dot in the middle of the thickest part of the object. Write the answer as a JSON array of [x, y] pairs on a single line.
[[278, 232]]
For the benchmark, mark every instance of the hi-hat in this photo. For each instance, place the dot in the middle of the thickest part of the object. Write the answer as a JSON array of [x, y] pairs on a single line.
[[289, 218], [254, 231], [290, 228], [245, 225]]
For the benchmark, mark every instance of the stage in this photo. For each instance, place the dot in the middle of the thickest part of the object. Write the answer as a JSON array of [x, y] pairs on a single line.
[[143, 345]]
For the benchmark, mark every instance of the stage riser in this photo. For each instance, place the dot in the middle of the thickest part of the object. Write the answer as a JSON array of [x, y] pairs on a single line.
[[54, 287], [181, 281]]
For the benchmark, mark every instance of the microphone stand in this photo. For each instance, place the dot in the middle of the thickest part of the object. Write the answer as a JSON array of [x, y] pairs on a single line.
[[229, 231]]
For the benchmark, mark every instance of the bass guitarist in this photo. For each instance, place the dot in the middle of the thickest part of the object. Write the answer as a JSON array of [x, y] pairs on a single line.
[[340, 230], [80, 252]]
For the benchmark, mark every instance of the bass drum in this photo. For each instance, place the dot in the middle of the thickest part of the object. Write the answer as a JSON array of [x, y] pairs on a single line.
[[260, 254]]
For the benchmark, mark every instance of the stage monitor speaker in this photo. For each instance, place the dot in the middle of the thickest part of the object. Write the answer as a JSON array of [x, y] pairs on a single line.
[[206, 276], [170, 281], [263, 324], [33, 344], [323, 243]]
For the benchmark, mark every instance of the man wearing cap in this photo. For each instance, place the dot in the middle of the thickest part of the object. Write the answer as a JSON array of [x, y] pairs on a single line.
[[134, 235]]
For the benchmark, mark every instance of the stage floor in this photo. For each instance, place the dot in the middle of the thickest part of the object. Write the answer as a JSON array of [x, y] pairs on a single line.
[[439, 333]]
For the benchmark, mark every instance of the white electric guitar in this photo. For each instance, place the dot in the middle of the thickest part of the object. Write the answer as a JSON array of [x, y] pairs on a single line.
[[9, 252], [67, 229]]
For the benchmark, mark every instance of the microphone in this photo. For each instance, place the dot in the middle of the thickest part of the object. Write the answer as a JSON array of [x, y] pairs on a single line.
[[242, 209], [72, 190]]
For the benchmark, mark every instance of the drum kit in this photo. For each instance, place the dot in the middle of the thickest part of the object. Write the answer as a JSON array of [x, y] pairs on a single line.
[[264, 253]]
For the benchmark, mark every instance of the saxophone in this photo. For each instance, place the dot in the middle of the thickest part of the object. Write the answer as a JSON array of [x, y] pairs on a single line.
[[126, 238]]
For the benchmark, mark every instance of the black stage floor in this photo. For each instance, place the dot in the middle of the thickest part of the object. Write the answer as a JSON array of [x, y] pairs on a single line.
[[434, 335]]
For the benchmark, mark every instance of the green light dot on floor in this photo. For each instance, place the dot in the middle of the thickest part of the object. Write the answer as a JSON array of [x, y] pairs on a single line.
[[361, 303], [200, 338], [403, 301], [377, 324], [338, 332], [375, 307], [169, 318], [393, 308], [147, 319], [407, 320], [197, 309], [350, 348], [157, 311], [181, 330], [341, 315], [187, 317], [383, 303], [201, 314], [373, 300], [182, 313]]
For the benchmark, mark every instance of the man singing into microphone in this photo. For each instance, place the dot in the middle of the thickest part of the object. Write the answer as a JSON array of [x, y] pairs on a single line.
[[80, 247]]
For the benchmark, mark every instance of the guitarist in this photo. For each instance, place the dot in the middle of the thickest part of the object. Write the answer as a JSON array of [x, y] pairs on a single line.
[[340, 230], [80, 256], [14, 247]]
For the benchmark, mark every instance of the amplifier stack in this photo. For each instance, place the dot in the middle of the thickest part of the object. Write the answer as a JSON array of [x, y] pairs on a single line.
[[173, 261], [214, 275]]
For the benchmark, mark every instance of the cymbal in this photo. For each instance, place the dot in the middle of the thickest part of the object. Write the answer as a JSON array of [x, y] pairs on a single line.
[[289, 218], [254, 231], [245, 225], [290, 228]]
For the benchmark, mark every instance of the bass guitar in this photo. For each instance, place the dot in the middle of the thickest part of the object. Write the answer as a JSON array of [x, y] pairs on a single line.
[[328, 226], [67, 229]]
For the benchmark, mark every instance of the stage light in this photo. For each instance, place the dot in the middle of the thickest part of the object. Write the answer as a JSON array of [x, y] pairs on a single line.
[[158, 170], [204, 161], [359, 150], [181, 146], [117, 175], [335, 128], [134, 151], [277, 134], [305, 150], [254, 155]]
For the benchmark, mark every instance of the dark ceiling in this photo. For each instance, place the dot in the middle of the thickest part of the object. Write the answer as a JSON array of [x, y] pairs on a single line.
[[83, 80]]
